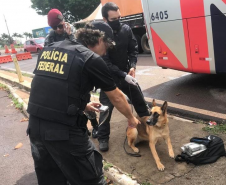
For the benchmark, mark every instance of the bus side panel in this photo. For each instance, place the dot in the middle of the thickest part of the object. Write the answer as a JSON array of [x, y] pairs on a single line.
[[198, 44], [219, 38], [169, 41], [197, 34]]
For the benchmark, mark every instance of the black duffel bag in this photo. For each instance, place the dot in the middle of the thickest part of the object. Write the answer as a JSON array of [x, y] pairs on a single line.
[[215, 150]]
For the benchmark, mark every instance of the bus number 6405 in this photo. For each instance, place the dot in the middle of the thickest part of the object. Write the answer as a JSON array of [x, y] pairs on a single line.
[[159, 15]]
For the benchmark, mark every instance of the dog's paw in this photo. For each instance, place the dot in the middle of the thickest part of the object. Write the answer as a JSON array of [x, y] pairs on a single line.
[[136, 150], [160, 166], [171, 154]]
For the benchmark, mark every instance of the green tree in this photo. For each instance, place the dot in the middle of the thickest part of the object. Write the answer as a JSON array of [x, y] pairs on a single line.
[[26, 34], [30, 35], [6, 38], [20, 36], [72, 10]]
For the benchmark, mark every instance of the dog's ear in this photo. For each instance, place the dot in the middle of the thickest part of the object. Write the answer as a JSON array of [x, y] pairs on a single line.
[[153, 103], [164, 107]]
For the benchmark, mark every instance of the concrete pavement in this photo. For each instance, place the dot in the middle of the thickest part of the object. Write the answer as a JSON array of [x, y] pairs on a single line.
[[143, 169]]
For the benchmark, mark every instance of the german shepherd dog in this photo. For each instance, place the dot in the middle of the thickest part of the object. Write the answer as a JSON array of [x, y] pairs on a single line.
[[151, 129]]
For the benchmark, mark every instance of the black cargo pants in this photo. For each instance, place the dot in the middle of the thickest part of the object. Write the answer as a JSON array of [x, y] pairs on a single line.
[[63, 153], [136, 97]]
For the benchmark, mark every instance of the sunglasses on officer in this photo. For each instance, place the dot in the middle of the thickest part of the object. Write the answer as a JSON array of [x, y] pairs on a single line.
[[60, 26]]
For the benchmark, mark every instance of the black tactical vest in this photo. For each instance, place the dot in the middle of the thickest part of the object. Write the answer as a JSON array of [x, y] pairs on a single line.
[[57, 92]]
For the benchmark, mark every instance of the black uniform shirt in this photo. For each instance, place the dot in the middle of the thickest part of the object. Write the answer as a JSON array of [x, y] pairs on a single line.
[[96, 73], [124, 56]]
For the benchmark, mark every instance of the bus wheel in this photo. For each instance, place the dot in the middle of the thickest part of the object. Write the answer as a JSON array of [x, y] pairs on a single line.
[[144, 44], [140, 50]]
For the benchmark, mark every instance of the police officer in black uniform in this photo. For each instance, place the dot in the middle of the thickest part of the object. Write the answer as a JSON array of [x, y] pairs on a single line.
[[65, 73], [61, 29], [122, 65]]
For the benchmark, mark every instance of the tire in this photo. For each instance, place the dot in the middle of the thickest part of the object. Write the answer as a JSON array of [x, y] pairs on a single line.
[[140, 50], [145, 45], [38, 50]]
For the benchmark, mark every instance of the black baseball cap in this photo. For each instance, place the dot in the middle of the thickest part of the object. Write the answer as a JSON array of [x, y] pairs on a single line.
[[104, 27]]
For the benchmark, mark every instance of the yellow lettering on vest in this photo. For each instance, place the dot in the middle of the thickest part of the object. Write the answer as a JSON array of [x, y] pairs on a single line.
[[52, 55], [47, 66], [60, 56], [55, 53], [64, 59], [39, 66], [61, 69], [46, 55], [56, 70], [44, 66], [49, 53], [51, 66], [43, 54]]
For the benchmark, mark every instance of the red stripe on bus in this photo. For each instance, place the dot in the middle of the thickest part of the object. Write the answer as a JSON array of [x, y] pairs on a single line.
[[172, 61], [196, 27]]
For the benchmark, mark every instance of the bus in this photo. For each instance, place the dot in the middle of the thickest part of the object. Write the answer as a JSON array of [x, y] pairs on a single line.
[[187, 35]]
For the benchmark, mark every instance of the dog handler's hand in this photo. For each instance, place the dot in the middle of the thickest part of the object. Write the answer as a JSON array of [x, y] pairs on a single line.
[[91, 106], [133, 122], [130, 80]]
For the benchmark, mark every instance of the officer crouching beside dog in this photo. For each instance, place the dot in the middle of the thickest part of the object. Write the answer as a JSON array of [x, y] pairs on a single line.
[[65, 73]]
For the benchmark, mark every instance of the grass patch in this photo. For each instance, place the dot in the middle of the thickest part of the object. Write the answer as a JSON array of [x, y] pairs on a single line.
[[26, 75], [16, 103], [146, 183], [200, 122], [217, 129], [107, 165], [4, 87]]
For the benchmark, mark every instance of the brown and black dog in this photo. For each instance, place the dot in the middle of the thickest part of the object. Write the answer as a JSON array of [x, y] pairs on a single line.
[[151, 129]]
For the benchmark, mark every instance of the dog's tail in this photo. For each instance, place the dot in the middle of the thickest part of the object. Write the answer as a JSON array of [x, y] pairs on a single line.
[[131, 154]]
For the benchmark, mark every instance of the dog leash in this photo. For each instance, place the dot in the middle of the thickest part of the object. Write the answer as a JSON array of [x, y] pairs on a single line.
[[124, 145], [131, 154]]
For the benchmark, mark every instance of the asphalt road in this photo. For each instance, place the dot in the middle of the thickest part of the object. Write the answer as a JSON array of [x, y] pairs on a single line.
[[202, 91]]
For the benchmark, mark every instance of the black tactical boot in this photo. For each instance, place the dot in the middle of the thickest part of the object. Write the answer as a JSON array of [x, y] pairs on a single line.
[[103, 145]]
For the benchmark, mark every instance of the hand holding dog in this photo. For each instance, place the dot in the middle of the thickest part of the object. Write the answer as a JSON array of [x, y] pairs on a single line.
[[133, 122]]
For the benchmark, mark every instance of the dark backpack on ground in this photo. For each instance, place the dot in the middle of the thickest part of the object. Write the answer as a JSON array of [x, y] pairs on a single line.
[[215, 150]]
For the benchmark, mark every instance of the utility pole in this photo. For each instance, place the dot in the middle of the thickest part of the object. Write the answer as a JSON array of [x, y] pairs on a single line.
[[8, 30]]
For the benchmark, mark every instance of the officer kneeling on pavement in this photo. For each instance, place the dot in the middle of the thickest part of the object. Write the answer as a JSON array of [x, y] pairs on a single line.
[[65, 73]]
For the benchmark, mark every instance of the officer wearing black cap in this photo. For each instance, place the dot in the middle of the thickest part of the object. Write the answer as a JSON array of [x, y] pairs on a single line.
[[65, 73], [122, 64]]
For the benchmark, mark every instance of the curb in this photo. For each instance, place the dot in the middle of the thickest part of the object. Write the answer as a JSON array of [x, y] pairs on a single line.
[[31, 75], [12, 91], [119, 177], [190, 113]]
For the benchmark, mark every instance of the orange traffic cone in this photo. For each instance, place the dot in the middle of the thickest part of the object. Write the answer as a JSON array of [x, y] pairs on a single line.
[[6, 49], [13, 48]]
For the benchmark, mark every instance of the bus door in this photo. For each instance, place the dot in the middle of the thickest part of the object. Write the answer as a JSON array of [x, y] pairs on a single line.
[[169, 34]]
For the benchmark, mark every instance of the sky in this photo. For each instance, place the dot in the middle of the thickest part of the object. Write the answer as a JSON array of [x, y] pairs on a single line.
[[20, 17]]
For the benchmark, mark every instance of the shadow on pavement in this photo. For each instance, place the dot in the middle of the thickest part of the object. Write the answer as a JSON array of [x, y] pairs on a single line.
[[28, 179]]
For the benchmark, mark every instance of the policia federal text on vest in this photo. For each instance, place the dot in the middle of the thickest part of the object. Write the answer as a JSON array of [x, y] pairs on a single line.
[[58, 76]]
